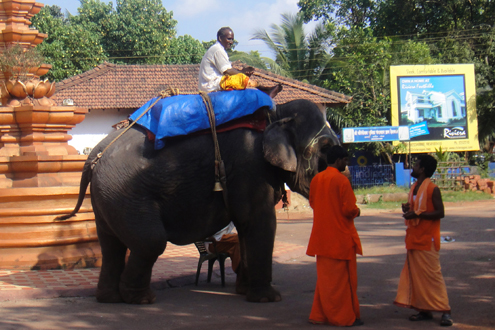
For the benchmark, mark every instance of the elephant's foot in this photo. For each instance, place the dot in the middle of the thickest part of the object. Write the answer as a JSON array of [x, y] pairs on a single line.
[[137, 295], [265, 294], [108, 296], [241, 287]]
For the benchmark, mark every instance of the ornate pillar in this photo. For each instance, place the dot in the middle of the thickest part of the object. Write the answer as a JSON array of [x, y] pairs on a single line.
[[39, 170]]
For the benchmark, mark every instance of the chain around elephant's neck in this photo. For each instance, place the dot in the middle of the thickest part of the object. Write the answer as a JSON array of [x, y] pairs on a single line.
[[311, 143]]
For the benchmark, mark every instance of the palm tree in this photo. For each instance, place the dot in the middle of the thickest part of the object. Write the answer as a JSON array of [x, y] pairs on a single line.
[[297, 55]]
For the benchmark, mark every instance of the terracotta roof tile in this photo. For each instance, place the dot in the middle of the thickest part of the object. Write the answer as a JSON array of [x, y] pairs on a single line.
[[113, 86]]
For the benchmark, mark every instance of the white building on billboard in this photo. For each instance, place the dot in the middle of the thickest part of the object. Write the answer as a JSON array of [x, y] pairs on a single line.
[[434, 105]]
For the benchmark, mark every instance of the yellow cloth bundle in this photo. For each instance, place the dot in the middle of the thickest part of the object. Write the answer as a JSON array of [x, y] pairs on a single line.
[[235, 82]]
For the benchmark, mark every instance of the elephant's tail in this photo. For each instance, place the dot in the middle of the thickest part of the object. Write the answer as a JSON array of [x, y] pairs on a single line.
[[85, 180]]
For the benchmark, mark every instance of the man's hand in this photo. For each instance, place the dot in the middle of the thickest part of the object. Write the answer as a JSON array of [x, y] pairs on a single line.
[[406, 207], [410, 215], [248, 71]]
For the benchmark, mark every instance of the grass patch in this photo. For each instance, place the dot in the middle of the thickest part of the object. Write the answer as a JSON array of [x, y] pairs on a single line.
[[461, 196], [381, 190], [447, 196], [384, 205]]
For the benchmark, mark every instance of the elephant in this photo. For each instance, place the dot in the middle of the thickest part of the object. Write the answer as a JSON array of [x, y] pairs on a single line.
[[143, 198]]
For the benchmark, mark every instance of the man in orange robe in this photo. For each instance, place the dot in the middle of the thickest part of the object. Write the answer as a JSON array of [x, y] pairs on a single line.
[[335, 242], [421, 284]]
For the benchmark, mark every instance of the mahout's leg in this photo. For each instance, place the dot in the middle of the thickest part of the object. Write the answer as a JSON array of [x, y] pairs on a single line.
[[113, 263]]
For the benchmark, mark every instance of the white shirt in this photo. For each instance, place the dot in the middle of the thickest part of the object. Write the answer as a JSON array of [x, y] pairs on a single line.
[[214, 63], [225, 231]]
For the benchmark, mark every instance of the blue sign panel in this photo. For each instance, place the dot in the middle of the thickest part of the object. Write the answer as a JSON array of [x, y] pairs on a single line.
[[418, 129], [375, 134], [371, 175]]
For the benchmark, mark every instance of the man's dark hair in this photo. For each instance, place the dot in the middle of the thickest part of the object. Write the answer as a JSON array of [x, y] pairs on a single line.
[[223, 31], [334, 153], [428, 163]]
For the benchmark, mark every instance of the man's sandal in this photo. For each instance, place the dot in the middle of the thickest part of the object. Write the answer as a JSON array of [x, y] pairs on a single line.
[[421, 316], [316, 322], [357, 323], [446, 320]]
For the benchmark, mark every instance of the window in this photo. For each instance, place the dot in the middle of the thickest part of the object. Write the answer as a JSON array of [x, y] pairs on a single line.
[[454, 110], [439, 112]]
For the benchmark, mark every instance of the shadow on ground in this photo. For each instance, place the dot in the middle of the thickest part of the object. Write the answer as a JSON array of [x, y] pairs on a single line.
[[468, 266]]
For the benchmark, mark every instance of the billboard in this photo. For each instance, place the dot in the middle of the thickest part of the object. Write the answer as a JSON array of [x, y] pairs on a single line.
[[438, 103]]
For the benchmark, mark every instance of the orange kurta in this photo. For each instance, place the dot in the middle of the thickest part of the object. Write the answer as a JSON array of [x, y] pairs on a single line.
[[419, 237], [334, 209], [335, 242], [421, 284]]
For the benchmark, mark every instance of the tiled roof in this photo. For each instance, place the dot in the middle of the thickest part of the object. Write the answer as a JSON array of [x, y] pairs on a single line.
[[114, 86]]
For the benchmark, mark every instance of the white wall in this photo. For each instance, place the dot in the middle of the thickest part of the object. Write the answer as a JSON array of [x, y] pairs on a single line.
[[95, 126]]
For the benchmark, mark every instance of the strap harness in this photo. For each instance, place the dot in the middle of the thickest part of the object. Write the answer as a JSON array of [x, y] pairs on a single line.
[[220, 176]]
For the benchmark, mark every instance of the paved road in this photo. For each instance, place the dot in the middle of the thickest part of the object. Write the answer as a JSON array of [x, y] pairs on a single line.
[[468, 266]]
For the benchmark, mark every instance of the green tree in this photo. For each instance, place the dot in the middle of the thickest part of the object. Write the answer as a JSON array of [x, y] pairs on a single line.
[[350, 13], [420, 32], [360, 67], [70, 49], [136, 32], [183, 50], [413, 17], [297, 55]]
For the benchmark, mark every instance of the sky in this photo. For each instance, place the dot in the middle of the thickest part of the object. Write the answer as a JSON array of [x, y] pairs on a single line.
[[201, 19]]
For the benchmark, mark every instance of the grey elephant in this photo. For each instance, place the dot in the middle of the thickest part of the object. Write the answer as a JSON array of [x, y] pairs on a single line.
[[143, 198]]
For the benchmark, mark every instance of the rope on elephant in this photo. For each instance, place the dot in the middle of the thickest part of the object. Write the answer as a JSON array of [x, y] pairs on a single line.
[[220, 176], [170, 91], [310, 145]]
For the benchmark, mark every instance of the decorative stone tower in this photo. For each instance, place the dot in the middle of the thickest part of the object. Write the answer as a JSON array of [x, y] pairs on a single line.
[[39, 170]]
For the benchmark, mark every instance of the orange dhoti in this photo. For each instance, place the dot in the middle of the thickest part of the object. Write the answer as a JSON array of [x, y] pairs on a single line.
[[229, 244], [335, 300], [421, 284]]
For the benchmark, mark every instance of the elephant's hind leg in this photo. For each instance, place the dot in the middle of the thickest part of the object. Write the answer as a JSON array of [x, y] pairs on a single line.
[[113, 264], [135, 285]]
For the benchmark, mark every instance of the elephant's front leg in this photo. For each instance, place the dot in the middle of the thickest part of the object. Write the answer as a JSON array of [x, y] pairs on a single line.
[[145, 249], [258, 243]]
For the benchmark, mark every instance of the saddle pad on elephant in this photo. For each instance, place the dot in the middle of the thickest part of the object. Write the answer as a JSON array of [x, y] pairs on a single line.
[[185, 114]]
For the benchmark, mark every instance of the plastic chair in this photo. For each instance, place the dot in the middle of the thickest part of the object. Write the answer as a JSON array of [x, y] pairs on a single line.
[[204, 255]]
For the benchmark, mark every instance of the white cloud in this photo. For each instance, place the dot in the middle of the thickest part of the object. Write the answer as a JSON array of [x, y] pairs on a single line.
[[184, 9]]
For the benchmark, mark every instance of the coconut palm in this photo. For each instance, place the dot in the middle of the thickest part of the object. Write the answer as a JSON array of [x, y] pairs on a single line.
[[297, 55]]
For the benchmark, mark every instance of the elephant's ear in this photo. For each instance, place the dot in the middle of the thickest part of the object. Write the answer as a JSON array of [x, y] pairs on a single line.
[[277, 146]]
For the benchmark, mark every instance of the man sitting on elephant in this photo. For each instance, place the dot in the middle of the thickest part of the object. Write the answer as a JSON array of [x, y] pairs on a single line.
[[216, 73]]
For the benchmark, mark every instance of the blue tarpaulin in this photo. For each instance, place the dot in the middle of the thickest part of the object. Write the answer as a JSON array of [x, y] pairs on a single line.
[[184, 114]]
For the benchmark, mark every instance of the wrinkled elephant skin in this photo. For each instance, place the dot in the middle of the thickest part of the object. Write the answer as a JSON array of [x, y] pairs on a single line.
[[143, 198]]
